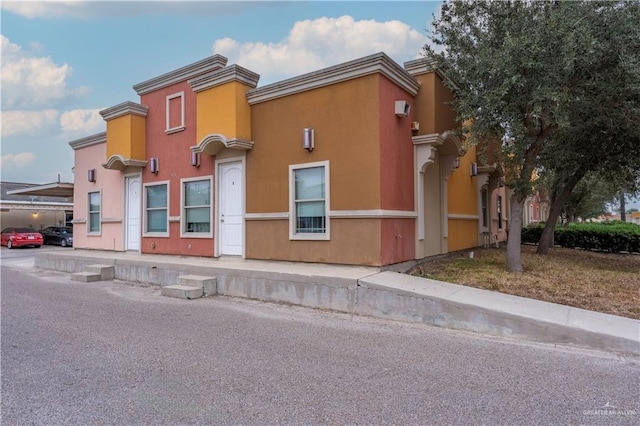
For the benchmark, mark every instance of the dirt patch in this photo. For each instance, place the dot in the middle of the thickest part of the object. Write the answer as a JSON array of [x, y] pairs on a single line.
[[601, 282]]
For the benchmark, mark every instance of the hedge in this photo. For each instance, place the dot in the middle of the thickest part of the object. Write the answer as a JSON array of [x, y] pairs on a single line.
[[612, 237]]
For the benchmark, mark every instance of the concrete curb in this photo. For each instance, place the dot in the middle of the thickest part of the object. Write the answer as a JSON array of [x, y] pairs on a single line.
[[404, 297], [366, 291]]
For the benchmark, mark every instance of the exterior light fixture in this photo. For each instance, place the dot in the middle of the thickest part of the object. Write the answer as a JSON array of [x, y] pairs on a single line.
[[474, 169], [91, 175], [195, 159], [308, 139], [155, 166], [456, 163], [402, 108]]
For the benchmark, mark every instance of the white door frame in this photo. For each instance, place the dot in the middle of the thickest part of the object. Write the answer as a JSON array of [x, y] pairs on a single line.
[[242, 161], [125, 227]]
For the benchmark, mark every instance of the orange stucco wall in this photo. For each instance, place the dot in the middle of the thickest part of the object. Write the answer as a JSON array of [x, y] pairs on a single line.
[[174, 156], [224, 109], [343, 135], [352, 242], [125, 137]]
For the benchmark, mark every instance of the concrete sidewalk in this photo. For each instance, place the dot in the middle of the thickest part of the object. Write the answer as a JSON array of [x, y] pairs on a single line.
[[367, 291]]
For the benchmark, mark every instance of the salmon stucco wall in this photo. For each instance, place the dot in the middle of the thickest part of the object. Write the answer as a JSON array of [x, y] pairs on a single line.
[[397, 174], [174, 158], [110, 184]]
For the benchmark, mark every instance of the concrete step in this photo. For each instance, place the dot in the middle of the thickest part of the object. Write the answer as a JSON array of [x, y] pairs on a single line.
[[182, 291], [208, 284], [107, 272], [86, 277]]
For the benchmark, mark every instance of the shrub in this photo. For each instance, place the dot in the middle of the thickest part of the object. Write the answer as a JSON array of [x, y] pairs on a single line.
[[613, 237]]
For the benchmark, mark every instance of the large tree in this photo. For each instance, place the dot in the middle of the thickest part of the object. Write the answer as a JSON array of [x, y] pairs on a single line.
[[518, 68], [602, 134]]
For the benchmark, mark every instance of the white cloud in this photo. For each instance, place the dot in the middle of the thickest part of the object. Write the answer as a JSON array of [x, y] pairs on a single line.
[[22, 159], [32, 81], [322, 42], [80, 9], [82, 121], [28, 122]]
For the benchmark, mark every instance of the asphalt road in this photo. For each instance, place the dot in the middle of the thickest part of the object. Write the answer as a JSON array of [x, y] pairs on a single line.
[[111, 353]]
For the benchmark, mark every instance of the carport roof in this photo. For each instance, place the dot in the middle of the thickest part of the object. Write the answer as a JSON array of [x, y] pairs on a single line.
[[12, 191]]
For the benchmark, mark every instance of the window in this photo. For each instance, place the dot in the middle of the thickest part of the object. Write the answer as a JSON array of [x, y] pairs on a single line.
[[156, 202], [309, 206], [175, 112], [94, 212], [196, 202], [499, 209], [485, 204]]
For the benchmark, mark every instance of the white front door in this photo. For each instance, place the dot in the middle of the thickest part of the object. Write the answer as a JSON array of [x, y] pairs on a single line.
[[133, 206], [230, 217]]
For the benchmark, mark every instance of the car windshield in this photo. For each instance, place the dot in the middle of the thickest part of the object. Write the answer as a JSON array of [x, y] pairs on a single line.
[[25, 230]]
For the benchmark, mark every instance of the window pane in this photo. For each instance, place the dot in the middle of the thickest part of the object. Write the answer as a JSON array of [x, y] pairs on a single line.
[[94, 201], [94, 222], [310, 208], [156, 196], [198, 219], [197, 193], [157, 221], [309, 183]]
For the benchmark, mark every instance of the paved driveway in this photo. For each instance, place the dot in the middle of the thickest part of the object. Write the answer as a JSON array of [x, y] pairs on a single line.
[[114, 353]]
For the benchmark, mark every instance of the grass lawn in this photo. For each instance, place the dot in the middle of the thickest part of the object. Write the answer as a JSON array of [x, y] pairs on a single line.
[[602, 282]]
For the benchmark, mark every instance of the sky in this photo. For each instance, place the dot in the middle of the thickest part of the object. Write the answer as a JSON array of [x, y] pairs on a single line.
[[63, 62]]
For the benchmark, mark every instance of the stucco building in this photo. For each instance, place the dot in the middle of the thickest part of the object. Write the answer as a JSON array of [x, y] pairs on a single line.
[[358, 163]]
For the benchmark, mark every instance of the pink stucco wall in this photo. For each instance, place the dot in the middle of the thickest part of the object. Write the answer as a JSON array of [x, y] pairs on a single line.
[[111, 185]]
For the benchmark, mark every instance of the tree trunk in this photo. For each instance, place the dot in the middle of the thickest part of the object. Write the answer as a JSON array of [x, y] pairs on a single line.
[[623, 208], [546, 239], [514, 254]]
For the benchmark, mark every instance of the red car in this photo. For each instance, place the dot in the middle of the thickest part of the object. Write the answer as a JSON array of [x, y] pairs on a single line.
[[21, 237]]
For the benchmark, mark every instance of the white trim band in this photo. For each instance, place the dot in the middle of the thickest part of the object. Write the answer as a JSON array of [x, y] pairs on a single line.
[[463, 216]]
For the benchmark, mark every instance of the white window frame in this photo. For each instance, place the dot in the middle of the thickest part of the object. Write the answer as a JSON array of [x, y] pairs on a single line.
[[292, 202], [145, 210], [89, 211], [183, 213], [181, 127]]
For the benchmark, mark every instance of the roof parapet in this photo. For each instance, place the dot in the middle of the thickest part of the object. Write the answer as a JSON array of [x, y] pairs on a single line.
[[124, 108], [372, 64], [231, 73], [86, 141], [181, 74]]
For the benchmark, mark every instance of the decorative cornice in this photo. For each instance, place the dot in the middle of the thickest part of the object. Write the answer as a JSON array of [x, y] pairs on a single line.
[[421, 66], [214, 142], [267, 216], [425, 66], [225, 75], [118, 162], [96, 139], [124, 108], [372, 64], [430, 139], [377, 214], [181, 74]]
